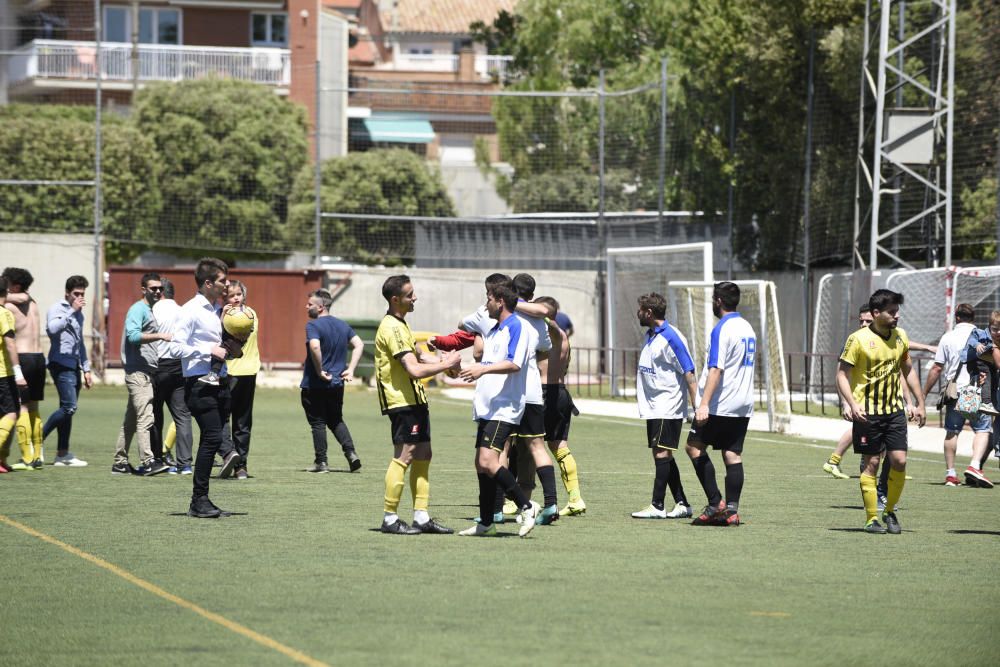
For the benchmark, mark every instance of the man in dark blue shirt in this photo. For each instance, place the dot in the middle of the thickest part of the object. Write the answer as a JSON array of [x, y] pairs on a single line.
[[324, 374]]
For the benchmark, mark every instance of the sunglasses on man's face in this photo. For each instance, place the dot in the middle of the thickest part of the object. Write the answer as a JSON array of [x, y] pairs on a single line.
[[155, 288]]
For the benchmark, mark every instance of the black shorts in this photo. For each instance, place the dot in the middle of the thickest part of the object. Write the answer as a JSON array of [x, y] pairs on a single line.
[[493, 434], [559, 411], [33, 367], [9, 401], [410, 425], [532, 422], [663, 433], [881, 433], [723, 433]]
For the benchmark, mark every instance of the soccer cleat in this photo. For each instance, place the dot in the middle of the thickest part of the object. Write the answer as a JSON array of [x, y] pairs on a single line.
[[319, 467], [211, 378], [123, 468], [497, 518], [528, 516], [229, 464], [951, 480], [432, 527], [874, 527], [155, 467], [398, 527], [37, 464], [69, 460], [711, 516], [975, 477], [728, 518], [835, 470], [650, 512], [547, 515], [574, 508], [891, 523], [3, 467], [353, 461], [20, 466], [680, 511], [202, 508], [479, 530], [510, 508]]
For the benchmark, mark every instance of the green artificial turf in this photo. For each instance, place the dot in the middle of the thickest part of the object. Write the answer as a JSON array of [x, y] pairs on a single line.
[[799, 583]]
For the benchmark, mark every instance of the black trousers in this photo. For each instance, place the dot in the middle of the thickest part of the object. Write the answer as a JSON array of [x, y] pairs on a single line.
[[324, 409], [236, 434], [168, 387], [210, 407]]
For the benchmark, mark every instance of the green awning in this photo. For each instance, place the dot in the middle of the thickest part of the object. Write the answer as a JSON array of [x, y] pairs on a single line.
[[400, 131]]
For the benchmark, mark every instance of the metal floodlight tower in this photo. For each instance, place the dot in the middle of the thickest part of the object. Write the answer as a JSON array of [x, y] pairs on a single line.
[[905, 145]]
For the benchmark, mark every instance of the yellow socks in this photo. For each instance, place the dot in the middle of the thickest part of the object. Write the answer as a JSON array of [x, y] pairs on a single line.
[[394, 477], [835, 459], [894, 488], [869, 494], [36, 434], [420, 484], [6, 426], [568, 472], [24, 437]]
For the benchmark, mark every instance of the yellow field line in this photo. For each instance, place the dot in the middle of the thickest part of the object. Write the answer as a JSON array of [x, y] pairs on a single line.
[[263, 640]]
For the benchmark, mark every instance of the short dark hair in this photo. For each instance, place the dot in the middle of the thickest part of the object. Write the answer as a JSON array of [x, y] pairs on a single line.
[[865, 308], [964, 312], [728, 293], [881, 299], [209, 269], [393, 286], [324, 296], [505, 294], [16, 276], [548, 301], [495, 279], [150, 276], [524, 285], [168, 288], [3, 286], [76, 281], [654, 302]]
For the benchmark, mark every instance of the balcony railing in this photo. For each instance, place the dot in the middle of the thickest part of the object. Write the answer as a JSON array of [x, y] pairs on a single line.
[[76, 61], [487, 66]]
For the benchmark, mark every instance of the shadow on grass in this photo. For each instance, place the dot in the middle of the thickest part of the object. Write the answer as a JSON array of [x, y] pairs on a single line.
[[975, 532], [221, 516], [379, 530], [846, 507]]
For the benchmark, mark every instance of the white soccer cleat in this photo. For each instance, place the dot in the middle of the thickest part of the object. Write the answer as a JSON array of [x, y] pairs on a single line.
[[528, 517], [479, 530], [680, 511], [652, 513]]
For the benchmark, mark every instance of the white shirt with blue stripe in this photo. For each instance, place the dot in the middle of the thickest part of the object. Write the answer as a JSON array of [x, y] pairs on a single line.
[[732, 347], [659, 385], [480, 322], [501, 397]]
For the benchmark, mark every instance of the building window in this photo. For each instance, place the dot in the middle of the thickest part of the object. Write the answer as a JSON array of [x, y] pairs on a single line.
[[156, 26], [269, 29]]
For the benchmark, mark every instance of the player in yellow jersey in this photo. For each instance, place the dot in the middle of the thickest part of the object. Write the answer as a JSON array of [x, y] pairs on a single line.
[[11, 379], [868, 380], [399, 367]]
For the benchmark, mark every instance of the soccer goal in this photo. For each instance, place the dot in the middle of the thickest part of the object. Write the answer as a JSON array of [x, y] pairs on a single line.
[[634, 271], [980, 287], [690, 304]]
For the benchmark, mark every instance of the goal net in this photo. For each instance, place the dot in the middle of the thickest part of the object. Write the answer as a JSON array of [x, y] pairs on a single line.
[[980, 287], [690, 310], [632, 272]]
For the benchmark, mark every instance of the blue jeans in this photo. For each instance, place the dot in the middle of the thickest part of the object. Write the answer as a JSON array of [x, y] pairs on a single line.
[[67, 381]]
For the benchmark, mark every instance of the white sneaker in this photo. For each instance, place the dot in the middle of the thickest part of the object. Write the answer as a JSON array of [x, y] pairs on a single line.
[[479, 530], [653, 513], [69, 460], [528, 517], [680, 511]]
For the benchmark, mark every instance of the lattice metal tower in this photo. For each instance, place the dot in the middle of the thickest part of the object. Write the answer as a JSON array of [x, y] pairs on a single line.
[[905, 126]]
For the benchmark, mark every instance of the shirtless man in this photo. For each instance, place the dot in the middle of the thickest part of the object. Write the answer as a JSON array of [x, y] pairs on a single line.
[[27, 331]]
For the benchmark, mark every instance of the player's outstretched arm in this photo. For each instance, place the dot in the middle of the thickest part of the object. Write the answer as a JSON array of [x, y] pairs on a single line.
[[476, 371], [532, 309], [418, 370]]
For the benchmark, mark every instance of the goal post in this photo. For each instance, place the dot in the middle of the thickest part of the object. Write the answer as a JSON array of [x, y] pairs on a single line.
[[759, 306], [638, 270]]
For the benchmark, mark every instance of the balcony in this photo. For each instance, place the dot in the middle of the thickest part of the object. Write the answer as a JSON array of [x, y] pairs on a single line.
[[48, 63], [486, 66]]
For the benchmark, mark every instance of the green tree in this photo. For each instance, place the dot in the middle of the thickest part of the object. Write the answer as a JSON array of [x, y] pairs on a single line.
[[377, 182], [230, 152], [49, 142]]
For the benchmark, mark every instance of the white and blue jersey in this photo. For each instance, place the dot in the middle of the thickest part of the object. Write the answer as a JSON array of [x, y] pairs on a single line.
[[659, 385], [501, 397], [732, 348], [480, 322]]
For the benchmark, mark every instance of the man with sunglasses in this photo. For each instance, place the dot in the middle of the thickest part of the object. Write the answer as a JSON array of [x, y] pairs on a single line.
[[140, 350]]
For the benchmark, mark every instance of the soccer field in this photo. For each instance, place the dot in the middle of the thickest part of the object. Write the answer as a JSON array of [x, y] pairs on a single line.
[[103, 569]]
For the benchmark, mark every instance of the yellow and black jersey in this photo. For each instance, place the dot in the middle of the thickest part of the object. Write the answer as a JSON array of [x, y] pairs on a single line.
[[396, 389], [875, 369]]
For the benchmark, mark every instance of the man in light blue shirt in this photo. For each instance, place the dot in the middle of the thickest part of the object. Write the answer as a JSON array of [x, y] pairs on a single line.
[[67, 357]]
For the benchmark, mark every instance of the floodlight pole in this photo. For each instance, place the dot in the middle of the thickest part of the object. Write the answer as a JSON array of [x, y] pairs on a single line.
[[318, 175]]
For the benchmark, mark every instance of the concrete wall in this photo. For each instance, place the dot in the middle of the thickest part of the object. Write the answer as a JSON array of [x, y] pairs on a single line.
[[445, 296], [51, 259]]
